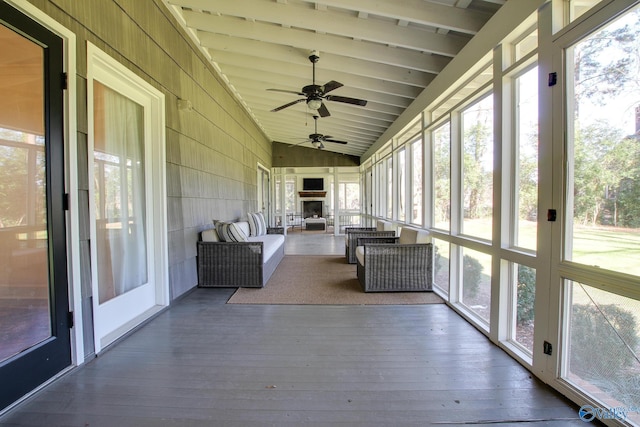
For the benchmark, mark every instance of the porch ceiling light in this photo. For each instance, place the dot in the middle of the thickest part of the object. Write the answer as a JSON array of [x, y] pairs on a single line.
[[314, 103]]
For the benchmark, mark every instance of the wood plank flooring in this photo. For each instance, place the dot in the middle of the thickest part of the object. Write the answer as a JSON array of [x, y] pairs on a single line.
[[205, 363]]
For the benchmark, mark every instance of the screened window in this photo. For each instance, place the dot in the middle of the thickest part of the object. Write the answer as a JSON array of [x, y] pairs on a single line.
[[476, 282], [604, 149], [442, 177], [477, 173], [402, 185], [525, 212], [389, 185], [441, 265], [523, 283], [290, 194], [416, 182], [603, 337], [349, 195]]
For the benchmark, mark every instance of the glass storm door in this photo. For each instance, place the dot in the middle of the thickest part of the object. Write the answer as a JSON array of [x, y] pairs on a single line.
[[124, 286], [34, 321]]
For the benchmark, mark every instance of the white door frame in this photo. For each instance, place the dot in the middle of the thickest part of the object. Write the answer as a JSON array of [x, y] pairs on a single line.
[[110, 323]]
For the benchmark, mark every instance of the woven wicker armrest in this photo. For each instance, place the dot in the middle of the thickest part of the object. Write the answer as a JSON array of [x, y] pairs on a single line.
[[348, 230], [372, 240], [230, 264], [393, 267], [275, 230], [352, 239]]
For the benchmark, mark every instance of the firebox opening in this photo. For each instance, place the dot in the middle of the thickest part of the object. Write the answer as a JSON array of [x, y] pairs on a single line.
[[311, 208]]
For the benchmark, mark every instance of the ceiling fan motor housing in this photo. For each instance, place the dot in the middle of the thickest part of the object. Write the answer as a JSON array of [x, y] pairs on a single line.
[[312, 90]]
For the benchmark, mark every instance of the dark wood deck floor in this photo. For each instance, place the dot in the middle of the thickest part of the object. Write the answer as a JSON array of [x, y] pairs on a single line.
[[205, 363]]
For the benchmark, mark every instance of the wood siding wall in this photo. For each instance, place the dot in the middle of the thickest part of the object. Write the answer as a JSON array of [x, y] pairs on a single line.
[[286, 155], [212, 151]]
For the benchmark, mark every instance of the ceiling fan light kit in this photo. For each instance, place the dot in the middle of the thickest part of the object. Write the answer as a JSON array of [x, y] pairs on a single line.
[[314, 103], [316, 139]]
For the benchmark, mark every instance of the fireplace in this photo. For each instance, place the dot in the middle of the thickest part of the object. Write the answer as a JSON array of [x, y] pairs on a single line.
[[311, 208]]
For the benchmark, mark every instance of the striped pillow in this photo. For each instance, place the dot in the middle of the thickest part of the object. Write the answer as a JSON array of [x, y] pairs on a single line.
[[230, 232], [257, 224]]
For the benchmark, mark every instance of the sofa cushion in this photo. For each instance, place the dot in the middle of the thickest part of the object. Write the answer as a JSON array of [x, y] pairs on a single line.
[[231, 232], [210, 235], [257, 224], [271, 243], [244, 226]]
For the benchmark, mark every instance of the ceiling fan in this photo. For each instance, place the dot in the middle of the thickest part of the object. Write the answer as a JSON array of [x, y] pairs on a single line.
[[315, 94], [316, 139]]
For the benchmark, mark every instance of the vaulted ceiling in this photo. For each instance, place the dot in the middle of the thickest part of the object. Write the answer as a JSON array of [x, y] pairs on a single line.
[[383, 51]]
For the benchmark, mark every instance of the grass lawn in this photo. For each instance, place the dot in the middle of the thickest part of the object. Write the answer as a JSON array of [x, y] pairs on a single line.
[[611, 248]]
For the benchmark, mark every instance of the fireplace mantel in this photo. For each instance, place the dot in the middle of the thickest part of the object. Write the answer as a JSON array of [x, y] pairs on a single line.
[[312, 193]]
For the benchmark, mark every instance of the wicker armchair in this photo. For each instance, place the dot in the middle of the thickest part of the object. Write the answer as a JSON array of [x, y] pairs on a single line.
[[352, 239], [388, 265], [352, 234]]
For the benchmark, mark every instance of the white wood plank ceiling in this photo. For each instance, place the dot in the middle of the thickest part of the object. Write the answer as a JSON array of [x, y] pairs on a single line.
[[382, 51]]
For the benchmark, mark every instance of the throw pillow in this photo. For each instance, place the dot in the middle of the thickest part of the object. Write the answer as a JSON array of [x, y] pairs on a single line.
[[257, 224], [230, 232]]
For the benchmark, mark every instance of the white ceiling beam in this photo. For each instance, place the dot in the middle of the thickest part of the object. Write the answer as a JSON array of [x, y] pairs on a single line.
[[330, 23], [221, 45], [417, 11], [354, 86], [306, 41], [327, 66]]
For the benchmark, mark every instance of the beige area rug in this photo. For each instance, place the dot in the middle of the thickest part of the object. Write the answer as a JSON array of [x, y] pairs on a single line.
[[302, 279]]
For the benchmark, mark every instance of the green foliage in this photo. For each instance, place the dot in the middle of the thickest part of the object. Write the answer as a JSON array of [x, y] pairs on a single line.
[[606, 177], [601, 341], [628, 203], [472, 274], [17, 180], [526, 293], [607, 163], [602, 76], [441, 174], [477, 180]]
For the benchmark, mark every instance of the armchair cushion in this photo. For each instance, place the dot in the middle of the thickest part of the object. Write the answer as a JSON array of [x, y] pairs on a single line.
[[410, 236], [382, 225]]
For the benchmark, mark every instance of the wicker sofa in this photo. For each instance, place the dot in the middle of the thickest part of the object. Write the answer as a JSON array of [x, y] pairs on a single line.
[[396, 264], [246, 264]]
